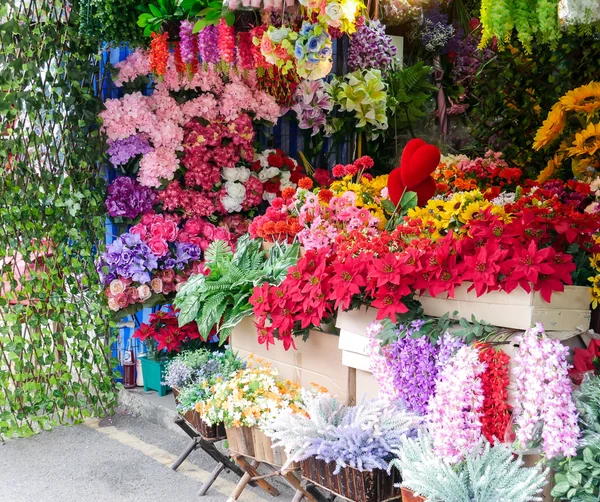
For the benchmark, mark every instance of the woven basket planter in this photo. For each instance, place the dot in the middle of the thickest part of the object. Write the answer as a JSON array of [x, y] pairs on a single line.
[[252, 442], [193, 418], [352, 484]]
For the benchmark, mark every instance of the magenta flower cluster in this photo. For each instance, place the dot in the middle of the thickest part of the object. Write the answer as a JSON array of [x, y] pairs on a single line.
[[128, 199], [455, 409], [370, 48], [187, 46], [544, 394], [208, 44]]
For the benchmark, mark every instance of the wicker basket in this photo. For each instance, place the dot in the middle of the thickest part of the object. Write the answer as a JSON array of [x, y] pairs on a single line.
[[352, 484], [252, 442], [194, 419]]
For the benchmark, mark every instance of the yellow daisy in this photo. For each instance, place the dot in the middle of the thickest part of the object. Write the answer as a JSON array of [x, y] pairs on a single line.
[[587, 142], [473, 211], [551, 127], [552, 166], [583, 99]]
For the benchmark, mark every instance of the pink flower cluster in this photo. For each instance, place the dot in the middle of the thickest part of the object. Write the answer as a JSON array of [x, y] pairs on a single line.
[[201, 232], [544, 394], [322, 223], [456, 408], [157, 230], [381, 370]]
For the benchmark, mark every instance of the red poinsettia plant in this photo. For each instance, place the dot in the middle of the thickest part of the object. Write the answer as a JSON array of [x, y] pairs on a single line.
[[163, 336], [586, 360]]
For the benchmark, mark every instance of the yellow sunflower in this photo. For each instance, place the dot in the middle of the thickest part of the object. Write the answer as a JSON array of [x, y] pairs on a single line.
[[587, 142], [552, 166], [473, 210], [583, 99], [551, 127]]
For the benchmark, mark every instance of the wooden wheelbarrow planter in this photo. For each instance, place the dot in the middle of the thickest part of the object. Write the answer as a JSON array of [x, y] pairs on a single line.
[[251, 448], [204, 437]]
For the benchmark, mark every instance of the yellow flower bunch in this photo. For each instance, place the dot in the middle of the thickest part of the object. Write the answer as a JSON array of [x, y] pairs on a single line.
[[581, 145], [368, 193], [444, 215], [595, 279]]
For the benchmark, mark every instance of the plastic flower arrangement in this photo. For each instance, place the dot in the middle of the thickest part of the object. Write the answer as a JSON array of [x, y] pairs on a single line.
[[163, 336], [340, 15], [398, 12], [433, 31], [250, 397], [313, 52], [277, 47], [573, 125], [277, 171], [311, 104], [543, 395], [127, 199], [362, 436], [371, 48], [362, 96]]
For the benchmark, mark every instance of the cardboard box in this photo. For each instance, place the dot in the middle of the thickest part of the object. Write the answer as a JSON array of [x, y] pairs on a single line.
[[318, 360], [568, 311]]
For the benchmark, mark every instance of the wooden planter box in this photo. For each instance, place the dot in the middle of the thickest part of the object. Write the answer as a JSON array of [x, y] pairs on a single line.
[[352, 484], [252, 442], [194, 419], [318, 360], [408, 496], [518, 310]]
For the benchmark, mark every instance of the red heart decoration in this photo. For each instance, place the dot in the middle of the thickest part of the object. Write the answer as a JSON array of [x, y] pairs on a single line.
[[425, 190], [420, 165], [411, 147], [395, 186]]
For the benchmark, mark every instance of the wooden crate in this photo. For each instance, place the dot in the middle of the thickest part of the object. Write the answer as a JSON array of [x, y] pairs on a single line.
[[194, 419], [318, 360], [352, 484], [252, 442]]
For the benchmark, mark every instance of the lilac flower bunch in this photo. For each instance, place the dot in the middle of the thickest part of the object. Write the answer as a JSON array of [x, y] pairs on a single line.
[[121, 151], [543, 394], [363, 436], [208, 44], [187, 44], [127, 257], [380, 365], [448, 346], [311, 104], [128, 199], [178, 374], [434, 31], [371, 48], [455, 409], [185, 252]]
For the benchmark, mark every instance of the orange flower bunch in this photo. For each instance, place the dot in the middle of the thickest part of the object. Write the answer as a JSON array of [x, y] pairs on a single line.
[[159, 53]]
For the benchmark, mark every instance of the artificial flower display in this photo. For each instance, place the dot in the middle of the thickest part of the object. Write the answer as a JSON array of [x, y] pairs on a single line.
[[313, 52], [277, 47], [127, 199], [277, 171], [371, 48]]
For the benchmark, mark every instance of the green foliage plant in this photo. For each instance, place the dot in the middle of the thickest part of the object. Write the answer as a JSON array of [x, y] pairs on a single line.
[[55, 332], [111, 21], [220, 300]]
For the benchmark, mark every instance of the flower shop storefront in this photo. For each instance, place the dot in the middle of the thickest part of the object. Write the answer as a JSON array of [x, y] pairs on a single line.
[[358, 244]]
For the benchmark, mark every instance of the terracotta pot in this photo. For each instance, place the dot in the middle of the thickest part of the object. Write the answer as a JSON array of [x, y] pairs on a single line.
[[408, 496]]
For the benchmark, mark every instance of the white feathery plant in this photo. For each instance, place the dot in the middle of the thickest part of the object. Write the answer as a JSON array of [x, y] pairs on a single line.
[[488, 474]]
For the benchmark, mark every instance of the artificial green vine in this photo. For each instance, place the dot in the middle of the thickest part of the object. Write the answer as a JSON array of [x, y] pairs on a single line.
[[54, 331]]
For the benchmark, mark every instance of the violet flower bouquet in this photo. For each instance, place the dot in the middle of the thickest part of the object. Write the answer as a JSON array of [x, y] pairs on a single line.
[[127, 199], [371, 48], [312, 103]]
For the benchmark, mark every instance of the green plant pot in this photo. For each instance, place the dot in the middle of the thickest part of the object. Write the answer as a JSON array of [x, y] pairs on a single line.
[[154, 374]]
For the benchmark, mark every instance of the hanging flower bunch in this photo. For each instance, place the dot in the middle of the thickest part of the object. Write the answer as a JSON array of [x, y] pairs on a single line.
[[363, 96], [249, 397], [313, 52], [544, 394], [277, 171], [371, 48], [580, 143], [311, 104], [188, 47], [159, 53], [455, 411], [530, 18], [163, 333], [495, 380], [277, 47], [433, 31], [208, 44]]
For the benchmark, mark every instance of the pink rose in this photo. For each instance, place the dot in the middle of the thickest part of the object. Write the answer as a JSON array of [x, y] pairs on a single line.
[[132, 295], [168, 287], [126, 280], [156, 285], [168, 275], [144, 292], [122, 300], [209, 231], [193, 226], [203, 244], [166, 229], [148, 218], [158, 246], [139, 229], [113, 305], [116, 287], [221, 234], [183, 237], [282, 53], [266, 45]]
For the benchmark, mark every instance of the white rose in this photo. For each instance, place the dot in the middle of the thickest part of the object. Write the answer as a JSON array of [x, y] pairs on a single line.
[[230, 174], [243, 174], [268, 173], [285, 177], [231, 204], [113, 305], [277, 35], [235, 190], [156, 285], [144, 292], [333, 11], [116, 287], [268, 196]]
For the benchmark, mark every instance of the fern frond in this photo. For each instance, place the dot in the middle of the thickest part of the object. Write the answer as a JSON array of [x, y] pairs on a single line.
[[218, 252]]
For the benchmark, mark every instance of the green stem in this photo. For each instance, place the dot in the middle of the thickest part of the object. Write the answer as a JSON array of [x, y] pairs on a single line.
[[387, 225]]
